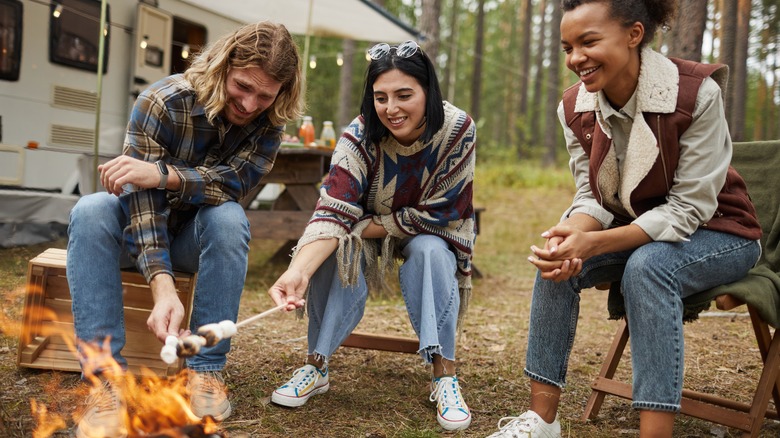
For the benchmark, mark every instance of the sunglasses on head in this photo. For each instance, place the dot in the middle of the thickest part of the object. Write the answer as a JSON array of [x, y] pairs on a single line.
[[403, 50]]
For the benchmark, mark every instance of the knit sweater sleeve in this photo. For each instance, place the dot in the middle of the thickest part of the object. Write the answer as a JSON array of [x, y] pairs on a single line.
[[342, 192]]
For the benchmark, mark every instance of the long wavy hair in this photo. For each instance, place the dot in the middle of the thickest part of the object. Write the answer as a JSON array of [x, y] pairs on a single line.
[[264, 44]]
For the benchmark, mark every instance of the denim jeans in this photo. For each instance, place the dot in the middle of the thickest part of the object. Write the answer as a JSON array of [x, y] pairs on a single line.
[[429, 287], [654, 280], [215, 244]]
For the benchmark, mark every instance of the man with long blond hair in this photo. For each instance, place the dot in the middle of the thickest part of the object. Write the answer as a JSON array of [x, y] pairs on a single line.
[[196, 144]]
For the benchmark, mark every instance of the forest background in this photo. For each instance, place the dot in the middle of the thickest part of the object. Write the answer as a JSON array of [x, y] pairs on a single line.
[[501, 60]]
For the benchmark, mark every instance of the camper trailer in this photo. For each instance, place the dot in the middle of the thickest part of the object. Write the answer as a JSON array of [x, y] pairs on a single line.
[[53, 101], [49, 82]]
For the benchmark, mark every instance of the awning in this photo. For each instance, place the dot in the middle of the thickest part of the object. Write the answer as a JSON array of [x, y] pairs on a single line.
[[359, 20]]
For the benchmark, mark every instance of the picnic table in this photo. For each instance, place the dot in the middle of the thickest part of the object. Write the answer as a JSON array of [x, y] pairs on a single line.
[[300, 171]]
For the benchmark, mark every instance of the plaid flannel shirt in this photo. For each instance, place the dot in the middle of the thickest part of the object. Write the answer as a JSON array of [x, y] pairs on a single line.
[[216, 164]]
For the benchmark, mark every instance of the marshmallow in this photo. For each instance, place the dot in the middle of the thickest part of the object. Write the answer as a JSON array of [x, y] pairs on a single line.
[[168, 354], [228, 328], [212, 333]]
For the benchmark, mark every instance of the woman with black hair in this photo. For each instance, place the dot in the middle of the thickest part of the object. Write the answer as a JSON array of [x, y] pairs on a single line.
[[400, 186]]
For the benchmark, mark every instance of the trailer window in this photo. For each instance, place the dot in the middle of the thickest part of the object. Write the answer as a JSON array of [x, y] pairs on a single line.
[[74, 37], [188, 40], [10, 39]]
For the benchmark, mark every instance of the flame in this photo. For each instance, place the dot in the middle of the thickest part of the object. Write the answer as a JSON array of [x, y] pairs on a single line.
[[47, 423], [150, 404]]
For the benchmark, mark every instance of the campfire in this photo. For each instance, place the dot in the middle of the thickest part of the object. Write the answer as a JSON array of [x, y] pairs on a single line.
[[154, 406]]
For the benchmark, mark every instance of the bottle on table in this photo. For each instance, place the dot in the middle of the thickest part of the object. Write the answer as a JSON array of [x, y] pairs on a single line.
[[306, 131], [328, 135]]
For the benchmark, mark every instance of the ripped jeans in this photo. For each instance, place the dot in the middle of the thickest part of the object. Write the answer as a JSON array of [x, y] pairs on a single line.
[[429, 287]]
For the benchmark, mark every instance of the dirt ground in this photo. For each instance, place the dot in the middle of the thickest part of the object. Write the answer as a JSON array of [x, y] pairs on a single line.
[[380, 394]]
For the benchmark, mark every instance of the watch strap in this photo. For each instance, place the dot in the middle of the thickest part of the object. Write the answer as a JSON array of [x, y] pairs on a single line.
[[163, 171]]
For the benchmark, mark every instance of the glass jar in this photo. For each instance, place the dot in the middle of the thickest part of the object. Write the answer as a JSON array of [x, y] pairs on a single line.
[[306, 131], [328, 135]]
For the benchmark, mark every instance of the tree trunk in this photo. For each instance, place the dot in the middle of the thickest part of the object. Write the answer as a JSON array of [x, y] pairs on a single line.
[[429, 26], [526, 17], [728, 35], [537, 94], [476, 79], [511, 81], [740, 72], [551, 114], [688, 30], [451, 69], [346, 107]]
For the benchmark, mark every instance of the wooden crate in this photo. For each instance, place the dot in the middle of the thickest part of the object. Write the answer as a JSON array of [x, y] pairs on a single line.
[[47, 336]]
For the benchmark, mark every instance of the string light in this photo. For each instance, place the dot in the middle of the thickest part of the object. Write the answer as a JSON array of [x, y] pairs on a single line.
[[339, 59], [185, 51], [57, 11], [312, 62]]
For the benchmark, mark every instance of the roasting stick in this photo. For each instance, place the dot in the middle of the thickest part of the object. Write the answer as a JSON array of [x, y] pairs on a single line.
[[208, 336]]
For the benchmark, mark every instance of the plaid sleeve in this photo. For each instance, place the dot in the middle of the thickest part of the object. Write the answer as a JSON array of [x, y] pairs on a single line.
[[220, 179], [146, 236]]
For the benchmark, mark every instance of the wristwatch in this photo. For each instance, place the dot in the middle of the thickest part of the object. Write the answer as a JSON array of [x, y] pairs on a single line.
[[163, 169]]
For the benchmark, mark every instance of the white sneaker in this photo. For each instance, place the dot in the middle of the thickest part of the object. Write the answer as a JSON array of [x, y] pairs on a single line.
[[451, 411], [528, 425], [306, 382]]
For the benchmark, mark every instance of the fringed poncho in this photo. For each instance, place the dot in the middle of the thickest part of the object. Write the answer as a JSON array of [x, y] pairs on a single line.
[[425, 188]]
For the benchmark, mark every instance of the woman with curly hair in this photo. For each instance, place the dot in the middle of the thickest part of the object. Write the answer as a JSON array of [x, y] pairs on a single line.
[[658, 209]]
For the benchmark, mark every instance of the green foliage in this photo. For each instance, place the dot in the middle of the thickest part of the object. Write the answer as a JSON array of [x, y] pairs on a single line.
[[502, 169]]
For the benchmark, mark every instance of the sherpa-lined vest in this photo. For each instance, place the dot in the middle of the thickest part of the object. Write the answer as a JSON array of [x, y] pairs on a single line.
[[735, 213]]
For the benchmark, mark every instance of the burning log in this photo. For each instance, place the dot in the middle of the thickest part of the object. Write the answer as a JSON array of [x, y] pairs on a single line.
[[208, 336]]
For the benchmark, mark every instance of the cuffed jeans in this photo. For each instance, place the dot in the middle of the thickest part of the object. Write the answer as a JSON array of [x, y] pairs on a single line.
[[215, 244], [430, 291], [654, 280]]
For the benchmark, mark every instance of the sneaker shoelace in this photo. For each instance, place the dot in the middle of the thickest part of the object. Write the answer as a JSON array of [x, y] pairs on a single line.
[[516, 426], [104, 398], [449, 397], [210, 383], [302, 378]]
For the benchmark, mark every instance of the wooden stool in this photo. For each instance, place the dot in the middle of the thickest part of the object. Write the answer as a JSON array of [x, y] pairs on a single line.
[[48, 335]]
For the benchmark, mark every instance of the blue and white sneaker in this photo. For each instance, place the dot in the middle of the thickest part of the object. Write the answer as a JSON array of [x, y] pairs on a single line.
[[306, 381], [451, 411]]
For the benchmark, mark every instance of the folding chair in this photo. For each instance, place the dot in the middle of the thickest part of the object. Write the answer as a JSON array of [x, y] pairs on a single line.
[[757, 162]]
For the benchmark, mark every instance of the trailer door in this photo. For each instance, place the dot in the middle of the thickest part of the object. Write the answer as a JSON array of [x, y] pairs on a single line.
[[153, 38]]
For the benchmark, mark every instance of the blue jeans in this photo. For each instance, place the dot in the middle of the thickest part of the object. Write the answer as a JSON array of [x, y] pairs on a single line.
[[215, 244], [429, 287], [654, 280]]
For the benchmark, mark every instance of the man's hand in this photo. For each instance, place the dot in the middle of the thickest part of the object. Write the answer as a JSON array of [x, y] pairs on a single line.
[[127, 170], [168, 311], [289, 289]]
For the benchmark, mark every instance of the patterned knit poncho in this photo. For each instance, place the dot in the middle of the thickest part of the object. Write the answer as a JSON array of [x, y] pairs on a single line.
[[425, 188]]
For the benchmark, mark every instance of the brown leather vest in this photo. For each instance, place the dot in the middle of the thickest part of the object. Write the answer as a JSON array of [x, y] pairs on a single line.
[[735, 213]]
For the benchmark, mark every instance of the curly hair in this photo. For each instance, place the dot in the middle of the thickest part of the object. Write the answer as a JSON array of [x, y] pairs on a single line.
[[264, 44], [651, 13]]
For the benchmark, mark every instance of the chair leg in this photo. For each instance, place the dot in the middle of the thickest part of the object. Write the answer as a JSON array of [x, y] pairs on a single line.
[[768, 384], [608, 369]]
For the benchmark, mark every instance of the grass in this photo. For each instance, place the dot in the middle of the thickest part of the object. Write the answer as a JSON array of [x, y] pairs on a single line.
[[379, 394]]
